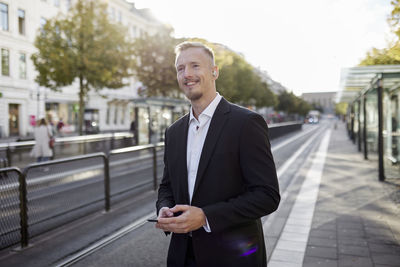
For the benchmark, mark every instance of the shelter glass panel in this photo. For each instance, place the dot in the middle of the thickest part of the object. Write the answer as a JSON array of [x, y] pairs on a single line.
[[391, 133], [372, 124]]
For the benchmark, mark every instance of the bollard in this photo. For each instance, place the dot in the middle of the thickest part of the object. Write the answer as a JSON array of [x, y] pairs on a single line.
[[8, 153]]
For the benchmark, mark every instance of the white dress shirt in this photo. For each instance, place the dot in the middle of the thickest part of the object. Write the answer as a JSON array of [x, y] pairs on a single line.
[[196, 136]]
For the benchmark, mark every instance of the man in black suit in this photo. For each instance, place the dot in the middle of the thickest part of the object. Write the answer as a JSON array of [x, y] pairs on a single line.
[[219, 174]]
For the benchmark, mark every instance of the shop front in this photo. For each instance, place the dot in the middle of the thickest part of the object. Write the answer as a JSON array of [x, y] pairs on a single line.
[[153, 115], [66, 113]]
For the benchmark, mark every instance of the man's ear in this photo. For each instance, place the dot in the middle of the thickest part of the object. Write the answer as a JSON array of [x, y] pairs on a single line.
[[215, 72]]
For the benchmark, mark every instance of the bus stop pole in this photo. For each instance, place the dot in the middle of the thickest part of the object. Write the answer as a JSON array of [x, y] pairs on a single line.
[[380, 130]]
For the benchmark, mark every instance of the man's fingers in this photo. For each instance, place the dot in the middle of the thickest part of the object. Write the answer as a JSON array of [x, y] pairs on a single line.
[[179, 208], [171, 220], [165, 212]]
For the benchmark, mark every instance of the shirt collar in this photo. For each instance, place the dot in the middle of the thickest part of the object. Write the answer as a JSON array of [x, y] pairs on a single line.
[[209, 110]]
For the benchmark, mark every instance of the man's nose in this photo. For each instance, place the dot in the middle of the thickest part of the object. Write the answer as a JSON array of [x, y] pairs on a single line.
[[188, 72]]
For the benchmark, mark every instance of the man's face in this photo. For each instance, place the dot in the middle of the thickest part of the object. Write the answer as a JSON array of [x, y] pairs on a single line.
[[194, 70]]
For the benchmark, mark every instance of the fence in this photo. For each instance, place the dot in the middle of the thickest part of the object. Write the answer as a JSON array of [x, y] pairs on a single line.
[[49, 194], [18, 153]]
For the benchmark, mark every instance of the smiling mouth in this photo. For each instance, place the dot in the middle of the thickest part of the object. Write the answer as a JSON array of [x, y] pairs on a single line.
[[191, 83]]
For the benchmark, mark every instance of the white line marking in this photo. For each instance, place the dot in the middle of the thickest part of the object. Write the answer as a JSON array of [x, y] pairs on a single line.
[[122, 232], [293, 138], [104, 242], [303, 209], [289, 162]]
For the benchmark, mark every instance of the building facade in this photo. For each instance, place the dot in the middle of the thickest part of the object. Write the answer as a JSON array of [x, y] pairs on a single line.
[[23, 101]]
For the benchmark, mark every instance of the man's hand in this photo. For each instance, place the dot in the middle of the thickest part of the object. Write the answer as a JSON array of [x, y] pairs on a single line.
[[165, 213], [192, 218]]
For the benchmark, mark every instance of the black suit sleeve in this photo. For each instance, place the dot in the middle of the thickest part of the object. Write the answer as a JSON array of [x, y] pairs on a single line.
[[165, 195], [261, 194]]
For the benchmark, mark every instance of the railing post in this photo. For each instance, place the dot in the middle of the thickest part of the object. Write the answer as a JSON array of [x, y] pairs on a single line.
[[106, 183], [112, 141], [359, 125], [8, 153], [154, 167], [380, 131], [365, 127], [23, 210]]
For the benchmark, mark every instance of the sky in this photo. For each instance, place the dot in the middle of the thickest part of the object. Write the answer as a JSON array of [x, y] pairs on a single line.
[[301, 44]]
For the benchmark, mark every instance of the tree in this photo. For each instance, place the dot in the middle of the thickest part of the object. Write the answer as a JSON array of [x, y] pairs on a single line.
[[317, 106], [303, 107], [83, 46], [391, 54], [287, 102], [341, 108], [238, 82], [383, 56], [154, 66], [154, 63]]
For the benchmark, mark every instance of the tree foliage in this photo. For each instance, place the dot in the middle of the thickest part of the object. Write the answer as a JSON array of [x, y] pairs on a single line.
[[341, 108], [154, 67], [154, 63], [85, 46], [391, 54], [238, 82], [291, 104], [383, 56]]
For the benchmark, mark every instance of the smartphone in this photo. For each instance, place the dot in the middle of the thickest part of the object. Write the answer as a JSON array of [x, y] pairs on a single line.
[[152, 220]]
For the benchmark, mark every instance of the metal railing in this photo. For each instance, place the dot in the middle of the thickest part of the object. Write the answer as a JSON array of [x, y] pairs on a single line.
[[18, 153], [52, 193]]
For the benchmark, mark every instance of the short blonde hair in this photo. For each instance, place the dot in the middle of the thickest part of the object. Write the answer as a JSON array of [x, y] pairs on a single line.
[[187, 44]]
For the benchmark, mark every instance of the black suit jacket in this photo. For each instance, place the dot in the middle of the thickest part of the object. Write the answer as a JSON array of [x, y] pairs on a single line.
[[236, 184]]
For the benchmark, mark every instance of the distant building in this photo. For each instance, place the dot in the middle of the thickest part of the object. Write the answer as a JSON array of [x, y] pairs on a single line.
[[23, 101], [324, 99], [274, 86]]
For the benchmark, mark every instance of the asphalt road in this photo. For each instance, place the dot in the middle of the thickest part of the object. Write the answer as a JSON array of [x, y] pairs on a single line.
[[143, 245], [147, 246]]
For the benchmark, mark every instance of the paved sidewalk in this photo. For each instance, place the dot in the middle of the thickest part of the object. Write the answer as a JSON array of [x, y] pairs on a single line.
[[355, 220]]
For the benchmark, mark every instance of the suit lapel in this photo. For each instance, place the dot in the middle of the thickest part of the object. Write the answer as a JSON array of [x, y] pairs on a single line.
[[214, 131], [182, 141]]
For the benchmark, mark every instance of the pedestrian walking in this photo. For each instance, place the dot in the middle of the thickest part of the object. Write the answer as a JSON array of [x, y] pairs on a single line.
[[41, 150], [134, 133], [60, 125], [219, 174]]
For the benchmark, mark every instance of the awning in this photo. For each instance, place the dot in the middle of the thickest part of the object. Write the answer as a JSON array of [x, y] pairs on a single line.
[[357, 80]]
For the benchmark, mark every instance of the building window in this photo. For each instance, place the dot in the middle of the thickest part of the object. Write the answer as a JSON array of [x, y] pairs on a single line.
[[116, 115], [42, 23], [108, 115], [22, 66], [123, 111], [112, 14], [5, 62], [21, 21], [69, 4], [134, 29], [4, 16], [119, 16]]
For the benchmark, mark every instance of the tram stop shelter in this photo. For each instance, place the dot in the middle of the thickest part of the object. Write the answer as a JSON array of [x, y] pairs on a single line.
[[373, 116]]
